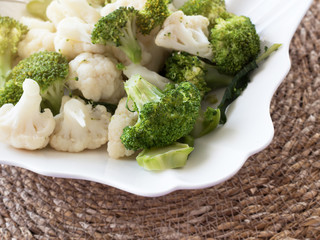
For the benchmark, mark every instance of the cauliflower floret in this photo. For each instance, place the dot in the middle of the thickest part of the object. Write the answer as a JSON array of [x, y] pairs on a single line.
[[74, 37], [36, 40], [186, 33], [31, 23], [80, 126], [110, 7], [97, 77], [122, 118], [58, 10], [24, 125], [40, 37]]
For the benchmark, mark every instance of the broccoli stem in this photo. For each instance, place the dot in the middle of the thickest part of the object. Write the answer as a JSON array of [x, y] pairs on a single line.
[[52, 96], [214, 79], [129, 43], [140, 91], [161, 158], [130, 46], [206, 122], [240, 82]]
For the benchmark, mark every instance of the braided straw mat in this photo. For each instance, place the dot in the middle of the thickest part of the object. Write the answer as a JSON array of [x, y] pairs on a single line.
[[276, 195]]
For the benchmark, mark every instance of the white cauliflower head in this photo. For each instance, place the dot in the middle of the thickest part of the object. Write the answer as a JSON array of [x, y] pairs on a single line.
[[36, 40], [108, 8], [80, 126], [74, 37], [97, 77], [24, 125], [32, 22], [60, 9], [40, 37], [186, 33], [122, 118]]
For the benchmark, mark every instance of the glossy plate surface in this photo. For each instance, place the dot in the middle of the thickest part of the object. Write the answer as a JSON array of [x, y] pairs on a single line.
[[217, 156]]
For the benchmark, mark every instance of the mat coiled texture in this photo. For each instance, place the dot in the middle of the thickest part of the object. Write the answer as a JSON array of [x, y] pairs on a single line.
[[276, 195]]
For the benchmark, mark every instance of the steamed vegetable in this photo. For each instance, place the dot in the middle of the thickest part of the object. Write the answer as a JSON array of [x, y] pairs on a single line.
[[119, 29], [48, 69], [164, 116], [181, 66], [11, 33], [172, 156]]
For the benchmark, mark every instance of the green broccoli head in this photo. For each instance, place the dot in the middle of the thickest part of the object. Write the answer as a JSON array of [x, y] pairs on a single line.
[[10, 92], [182, 66], [154, 14], [235, 43], [164, 116], [211, 9], [11, 33], [49, 70], [119, 29]]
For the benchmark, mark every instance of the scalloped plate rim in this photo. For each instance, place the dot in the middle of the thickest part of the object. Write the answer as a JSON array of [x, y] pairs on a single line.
[[179, 183]]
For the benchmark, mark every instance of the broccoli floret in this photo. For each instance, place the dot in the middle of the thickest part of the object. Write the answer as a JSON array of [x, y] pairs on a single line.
[[234, 43], [211, 9], [172, 156], [207, 121], [119, 29], [182, 66], [153, 14], [164, 116], [49, 70], [38, 8], [11, 33], [241, 80], [11, 92]]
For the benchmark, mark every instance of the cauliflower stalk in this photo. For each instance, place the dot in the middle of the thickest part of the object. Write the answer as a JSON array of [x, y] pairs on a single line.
[[122, 118], [80, 126], [24, 125], [186, 33], [97, 77]]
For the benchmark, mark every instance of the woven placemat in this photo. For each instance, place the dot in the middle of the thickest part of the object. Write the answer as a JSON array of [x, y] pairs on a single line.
[[276, 195]]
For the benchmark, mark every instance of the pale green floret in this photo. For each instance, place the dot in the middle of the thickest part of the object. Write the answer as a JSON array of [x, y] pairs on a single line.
[[234, 43], [11, 33], [172, 156], [119, 29], [38, 8]]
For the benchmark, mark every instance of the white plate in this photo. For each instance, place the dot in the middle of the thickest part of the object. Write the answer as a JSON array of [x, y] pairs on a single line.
[[216, 157]]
